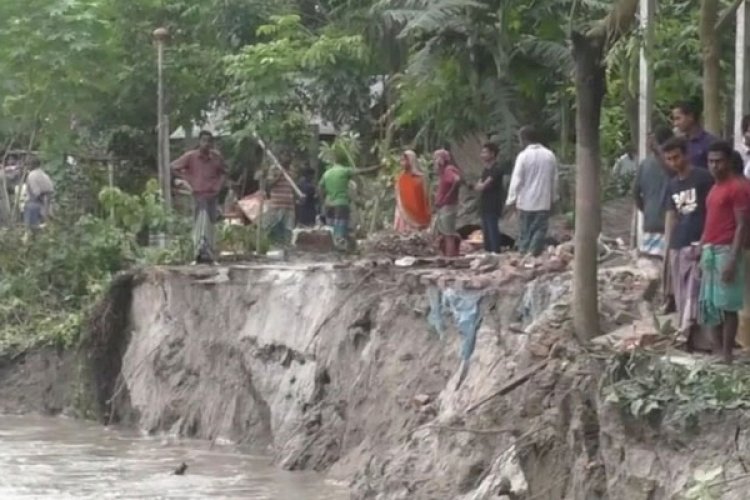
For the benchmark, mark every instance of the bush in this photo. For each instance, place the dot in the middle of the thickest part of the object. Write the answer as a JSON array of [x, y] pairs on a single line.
[[48, 281]]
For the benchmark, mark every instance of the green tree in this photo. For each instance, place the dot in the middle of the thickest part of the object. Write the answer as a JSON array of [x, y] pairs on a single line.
[[278, 85], [471, 62]]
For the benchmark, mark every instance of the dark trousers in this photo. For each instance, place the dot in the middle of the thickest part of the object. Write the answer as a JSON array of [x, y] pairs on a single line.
[[491, 232], [533, 231]]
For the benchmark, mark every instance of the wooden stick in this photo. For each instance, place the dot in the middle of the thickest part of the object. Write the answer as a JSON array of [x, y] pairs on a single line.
[[276, 164], [510, 386], [259, 221], [490, 431]]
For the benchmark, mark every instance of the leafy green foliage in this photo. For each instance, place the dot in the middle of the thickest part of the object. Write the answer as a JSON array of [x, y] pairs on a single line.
[[644, 386], [51, 62], [345, 150], [241, 240], [278, 86], [135, 213], [479, 66], [47, 282]]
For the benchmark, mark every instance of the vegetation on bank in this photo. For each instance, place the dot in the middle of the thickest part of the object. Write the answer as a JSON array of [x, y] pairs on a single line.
[[49, 282], [647, 386]]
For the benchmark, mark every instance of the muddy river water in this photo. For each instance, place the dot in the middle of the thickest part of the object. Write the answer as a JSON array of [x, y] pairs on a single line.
[[58, 458]]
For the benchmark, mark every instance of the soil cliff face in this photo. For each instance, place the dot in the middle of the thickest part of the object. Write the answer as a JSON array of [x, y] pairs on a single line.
[[336, 369]]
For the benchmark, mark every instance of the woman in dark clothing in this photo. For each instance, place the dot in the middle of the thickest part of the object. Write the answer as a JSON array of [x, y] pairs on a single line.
[[307, 207]]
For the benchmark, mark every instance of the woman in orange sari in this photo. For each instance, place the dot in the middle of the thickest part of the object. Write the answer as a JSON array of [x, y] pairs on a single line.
[[412, 197]]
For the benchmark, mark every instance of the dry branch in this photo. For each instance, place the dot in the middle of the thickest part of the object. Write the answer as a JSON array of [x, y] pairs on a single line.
[[510, 386]]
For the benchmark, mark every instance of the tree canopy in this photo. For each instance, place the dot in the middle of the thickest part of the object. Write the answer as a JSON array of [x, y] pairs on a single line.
[[82, 72]]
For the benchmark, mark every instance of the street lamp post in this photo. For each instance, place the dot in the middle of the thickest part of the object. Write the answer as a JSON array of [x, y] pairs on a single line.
[[161, 35]]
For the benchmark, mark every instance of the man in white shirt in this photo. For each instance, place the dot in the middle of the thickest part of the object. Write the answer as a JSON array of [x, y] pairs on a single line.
[[625, 166], [745, 152], [533, 191], [38, 196]]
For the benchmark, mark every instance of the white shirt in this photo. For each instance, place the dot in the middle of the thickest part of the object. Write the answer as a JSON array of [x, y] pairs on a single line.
[[625, 165], [533, 185], [38, 183], [746, 161], [22, 194]]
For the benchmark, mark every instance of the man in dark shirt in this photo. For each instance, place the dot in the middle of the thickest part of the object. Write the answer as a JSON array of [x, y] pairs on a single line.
[[686, 119], [491, 197], [686, 215], [307, 209]]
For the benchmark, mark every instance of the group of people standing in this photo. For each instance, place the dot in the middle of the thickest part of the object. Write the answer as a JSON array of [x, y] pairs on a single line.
[[531, 193], [695, 202]]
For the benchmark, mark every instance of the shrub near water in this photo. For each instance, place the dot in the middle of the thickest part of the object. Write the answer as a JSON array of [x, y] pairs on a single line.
[[47, 283]]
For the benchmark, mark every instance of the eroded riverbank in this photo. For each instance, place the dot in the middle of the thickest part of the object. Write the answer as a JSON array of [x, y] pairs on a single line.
[[335, 368]]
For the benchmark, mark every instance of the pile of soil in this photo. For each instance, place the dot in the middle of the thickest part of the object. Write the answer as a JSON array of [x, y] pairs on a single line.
[[389, 243]]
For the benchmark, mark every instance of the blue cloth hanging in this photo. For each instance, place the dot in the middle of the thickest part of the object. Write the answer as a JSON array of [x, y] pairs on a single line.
[[464, 307]]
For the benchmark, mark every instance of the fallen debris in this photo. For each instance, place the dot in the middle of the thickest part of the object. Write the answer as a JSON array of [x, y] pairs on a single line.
[[314, 240], [422, 399], [389, 243]]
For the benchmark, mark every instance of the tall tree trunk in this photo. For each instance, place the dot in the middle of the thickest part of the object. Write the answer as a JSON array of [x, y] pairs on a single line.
[[5, 207], [590, 83], [564, 127], [630, 94], [631, 113], [711, 71], [4, 199]]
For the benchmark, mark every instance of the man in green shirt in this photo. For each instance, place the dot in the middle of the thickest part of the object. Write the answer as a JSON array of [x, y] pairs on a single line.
[[334, 191]]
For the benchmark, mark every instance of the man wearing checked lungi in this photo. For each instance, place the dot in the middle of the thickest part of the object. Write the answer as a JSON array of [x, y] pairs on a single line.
[[722, 284], [205, 172]]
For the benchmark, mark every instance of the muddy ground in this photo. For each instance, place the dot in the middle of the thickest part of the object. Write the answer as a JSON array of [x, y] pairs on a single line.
[[37, 382]]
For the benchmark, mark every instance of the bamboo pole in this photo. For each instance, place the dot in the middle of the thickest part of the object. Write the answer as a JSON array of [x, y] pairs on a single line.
[[741, 73], [6, 217], [259, 223], [645, 101]]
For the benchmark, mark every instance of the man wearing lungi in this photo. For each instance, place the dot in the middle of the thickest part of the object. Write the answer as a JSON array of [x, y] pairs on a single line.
[[204, 170], [446, 203], [686, 214], [722, 284], [649, 190]]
